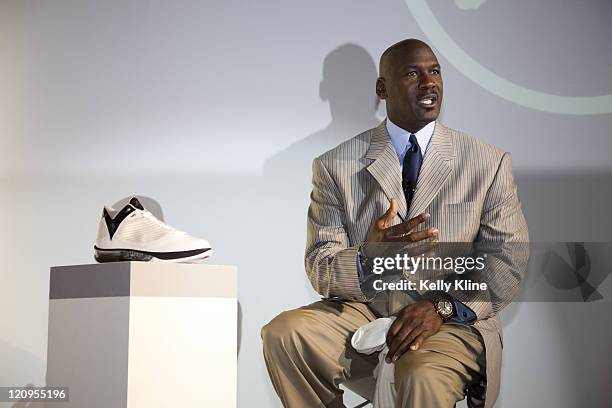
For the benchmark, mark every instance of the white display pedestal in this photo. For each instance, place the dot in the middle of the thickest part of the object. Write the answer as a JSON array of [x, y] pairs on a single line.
[[143, 335]]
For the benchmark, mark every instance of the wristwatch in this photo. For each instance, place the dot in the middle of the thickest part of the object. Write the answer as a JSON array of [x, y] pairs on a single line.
[[444, 307]]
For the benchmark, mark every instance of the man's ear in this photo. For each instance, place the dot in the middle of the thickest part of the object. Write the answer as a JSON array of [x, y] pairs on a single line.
[[381, 90]]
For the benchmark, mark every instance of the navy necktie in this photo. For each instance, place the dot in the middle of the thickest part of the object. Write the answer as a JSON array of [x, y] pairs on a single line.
[[410, 170]]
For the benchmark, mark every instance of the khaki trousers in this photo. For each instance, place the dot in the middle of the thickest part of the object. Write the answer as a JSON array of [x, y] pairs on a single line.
[[308, 354]]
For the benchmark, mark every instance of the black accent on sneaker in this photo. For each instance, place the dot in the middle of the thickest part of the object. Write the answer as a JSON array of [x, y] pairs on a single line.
[[134, 201], [123, 254], [113, 223]]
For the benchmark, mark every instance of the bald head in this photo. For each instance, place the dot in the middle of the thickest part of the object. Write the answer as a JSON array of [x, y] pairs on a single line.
[[410, 83], [398, 51]]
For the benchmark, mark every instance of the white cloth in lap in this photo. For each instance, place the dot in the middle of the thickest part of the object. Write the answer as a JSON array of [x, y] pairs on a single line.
[[369, 339]]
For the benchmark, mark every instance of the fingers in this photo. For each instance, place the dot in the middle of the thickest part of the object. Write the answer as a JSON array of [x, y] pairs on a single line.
[[391, 213], [393, 330], [403, 232], [392, 335], [418, 342], [387, 218], [412, 341], [413, 236], [421, 235], [408, 342], [407, 226], [413, 325], [412, 223], [401, 341]]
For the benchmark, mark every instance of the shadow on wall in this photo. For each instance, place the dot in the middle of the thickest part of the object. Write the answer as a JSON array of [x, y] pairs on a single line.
[[567, 206], [349, 77], [347, 85], [563, 210]]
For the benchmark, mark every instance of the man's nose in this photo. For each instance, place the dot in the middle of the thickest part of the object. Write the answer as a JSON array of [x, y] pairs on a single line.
[[426, 81]]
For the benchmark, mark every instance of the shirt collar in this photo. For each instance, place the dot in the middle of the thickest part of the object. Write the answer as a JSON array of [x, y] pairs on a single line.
[[400, 138]]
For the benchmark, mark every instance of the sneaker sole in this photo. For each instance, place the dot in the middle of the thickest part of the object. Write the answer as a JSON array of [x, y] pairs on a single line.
[[103, 255]]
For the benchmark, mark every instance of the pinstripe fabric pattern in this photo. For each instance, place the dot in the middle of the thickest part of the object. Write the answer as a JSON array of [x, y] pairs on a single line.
[[468, 188]]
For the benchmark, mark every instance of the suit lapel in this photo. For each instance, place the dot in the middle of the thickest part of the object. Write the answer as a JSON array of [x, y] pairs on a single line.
[[436, 168], [385, 167]]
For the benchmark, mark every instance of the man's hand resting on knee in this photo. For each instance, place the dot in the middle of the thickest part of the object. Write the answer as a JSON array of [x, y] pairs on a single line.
[[414, 323]]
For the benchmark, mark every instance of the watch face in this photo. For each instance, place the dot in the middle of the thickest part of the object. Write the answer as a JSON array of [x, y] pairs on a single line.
[[445, 308]]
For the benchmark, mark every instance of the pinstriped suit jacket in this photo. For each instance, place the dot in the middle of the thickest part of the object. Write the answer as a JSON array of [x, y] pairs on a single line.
[[468, 188]]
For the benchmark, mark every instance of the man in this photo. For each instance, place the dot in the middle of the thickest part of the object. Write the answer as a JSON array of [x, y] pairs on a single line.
[[408, 172]]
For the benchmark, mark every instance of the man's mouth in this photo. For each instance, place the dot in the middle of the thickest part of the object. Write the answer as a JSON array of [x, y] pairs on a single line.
[[428, 101]]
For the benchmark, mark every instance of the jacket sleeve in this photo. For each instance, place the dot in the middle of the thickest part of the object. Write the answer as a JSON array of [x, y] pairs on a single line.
[[504, 236], [331, 264]]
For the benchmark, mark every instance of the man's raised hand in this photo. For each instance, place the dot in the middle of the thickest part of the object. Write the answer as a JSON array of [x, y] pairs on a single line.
[[382, 231]]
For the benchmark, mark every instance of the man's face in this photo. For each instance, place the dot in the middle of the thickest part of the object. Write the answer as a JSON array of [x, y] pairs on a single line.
[[412, 87]]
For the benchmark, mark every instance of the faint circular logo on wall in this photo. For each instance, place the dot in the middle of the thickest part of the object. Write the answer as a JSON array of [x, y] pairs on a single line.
[[502, 87]]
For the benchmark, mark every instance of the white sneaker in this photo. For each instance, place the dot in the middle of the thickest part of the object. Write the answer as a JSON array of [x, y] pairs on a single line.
[[134, 234]]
